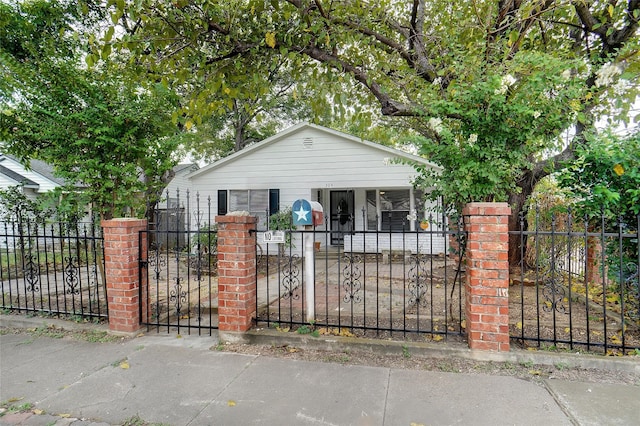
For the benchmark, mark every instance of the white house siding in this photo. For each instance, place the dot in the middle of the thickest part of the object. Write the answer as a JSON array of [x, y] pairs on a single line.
[[303, 160], [5, 182], [44, 184], [331, 163]]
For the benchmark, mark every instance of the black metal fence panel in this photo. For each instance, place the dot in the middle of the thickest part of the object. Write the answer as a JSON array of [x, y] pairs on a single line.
[[53, 268], [577, 285], [396, 284], [180, 271]]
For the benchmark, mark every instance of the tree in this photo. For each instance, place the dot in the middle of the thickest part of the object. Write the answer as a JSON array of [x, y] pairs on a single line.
[[269, 100], [604, 181], [460, 73], [100, 129], [605, 178]]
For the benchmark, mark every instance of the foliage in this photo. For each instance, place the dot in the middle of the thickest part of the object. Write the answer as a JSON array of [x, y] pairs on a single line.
[[502, 80], [605, 183], [282, 221], [16, 206], [206, 239], [98, 128], [605, 177], [268, 101], [494, 124]]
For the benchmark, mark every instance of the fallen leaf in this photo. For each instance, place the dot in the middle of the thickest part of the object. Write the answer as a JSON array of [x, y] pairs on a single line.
[[293, 350], [64, 415], [124, 365], [437, 338], [231, 403], [519, 325], [416, 424], [38, 411], [15, 399], [283, 329], [535, 372], [567, 329]]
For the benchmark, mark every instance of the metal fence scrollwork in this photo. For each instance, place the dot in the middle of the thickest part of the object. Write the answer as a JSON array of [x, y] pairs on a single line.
[[417, 282], [181, 279], [53, 268], [577, 285], [352, 274]]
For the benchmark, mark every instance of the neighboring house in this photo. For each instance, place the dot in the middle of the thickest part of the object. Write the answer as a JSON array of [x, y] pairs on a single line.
[[360, 184], [36, 180]]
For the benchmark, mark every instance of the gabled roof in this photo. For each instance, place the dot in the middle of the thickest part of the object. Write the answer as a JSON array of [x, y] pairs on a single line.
[[396, 153], [17, 177], [45, 170], [37, 167], [180, 167]]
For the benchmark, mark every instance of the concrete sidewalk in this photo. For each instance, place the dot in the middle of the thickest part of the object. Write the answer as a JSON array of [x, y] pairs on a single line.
[[185, 381]]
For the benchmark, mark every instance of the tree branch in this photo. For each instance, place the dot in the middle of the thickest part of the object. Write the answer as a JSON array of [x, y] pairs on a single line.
[[389, 106]]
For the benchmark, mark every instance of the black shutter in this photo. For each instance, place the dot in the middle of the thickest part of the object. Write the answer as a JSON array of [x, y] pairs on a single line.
[[222, 202], [274, 201]]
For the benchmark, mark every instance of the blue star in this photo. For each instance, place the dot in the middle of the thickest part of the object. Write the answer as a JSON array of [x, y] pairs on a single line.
[[302, 214]]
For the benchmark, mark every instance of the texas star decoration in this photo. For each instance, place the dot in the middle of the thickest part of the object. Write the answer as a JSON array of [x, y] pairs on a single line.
[[302, 214]]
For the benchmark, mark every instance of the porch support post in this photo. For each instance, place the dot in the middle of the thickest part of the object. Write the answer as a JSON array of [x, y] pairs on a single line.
[[487, 278], [236, 275], [124, 248]]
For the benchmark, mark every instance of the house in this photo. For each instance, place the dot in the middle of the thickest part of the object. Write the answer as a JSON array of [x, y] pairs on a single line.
[[362, 186], [35, 180]]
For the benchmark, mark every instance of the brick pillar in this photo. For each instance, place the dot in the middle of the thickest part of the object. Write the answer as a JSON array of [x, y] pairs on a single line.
[[122, 272], [236, 275], [487, 284]]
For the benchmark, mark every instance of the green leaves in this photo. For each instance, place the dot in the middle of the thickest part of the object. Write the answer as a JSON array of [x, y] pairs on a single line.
[[100, 129], [606, 177]]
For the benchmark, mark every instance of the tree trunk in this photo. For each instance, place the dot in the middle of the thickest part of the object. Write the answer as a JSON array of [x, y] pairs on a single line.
[[518, 244]]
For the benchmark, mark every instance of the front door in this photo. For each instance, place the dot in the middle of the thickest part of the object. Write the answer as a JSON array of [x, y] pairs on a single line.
[[341, 214]]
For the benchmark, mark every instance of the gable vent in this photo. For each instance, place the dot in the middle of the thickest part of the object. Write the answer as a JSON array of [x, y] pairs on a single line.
[[307, 143]]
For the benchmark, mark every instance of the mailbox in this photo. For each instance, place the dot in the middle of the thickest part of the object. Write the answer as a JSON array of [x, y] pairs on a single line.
[[317, 213], [307, 213]]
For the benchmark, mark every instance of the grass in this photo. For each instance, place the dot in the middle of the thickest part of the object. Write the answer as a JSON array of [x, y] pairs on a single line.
[[305, 329], [138, 421], [9, 406], [405, 351]]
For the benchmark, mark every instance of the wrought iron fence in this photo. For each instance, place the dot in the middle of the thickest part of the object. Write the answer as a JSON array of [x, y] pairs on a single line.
[[378, 283], [53, 268], [181, 267], [577, 286]]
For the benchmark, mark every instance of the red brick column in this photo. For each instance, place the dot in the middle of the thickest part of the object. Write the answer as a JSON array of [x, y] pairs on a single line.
[[236, 275], [122, 272], [487, 285]]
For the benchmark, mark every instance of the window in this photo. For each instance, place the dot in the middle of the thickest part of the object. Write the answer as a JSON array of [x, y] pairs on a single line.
[[395, 205], [258, 202]]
